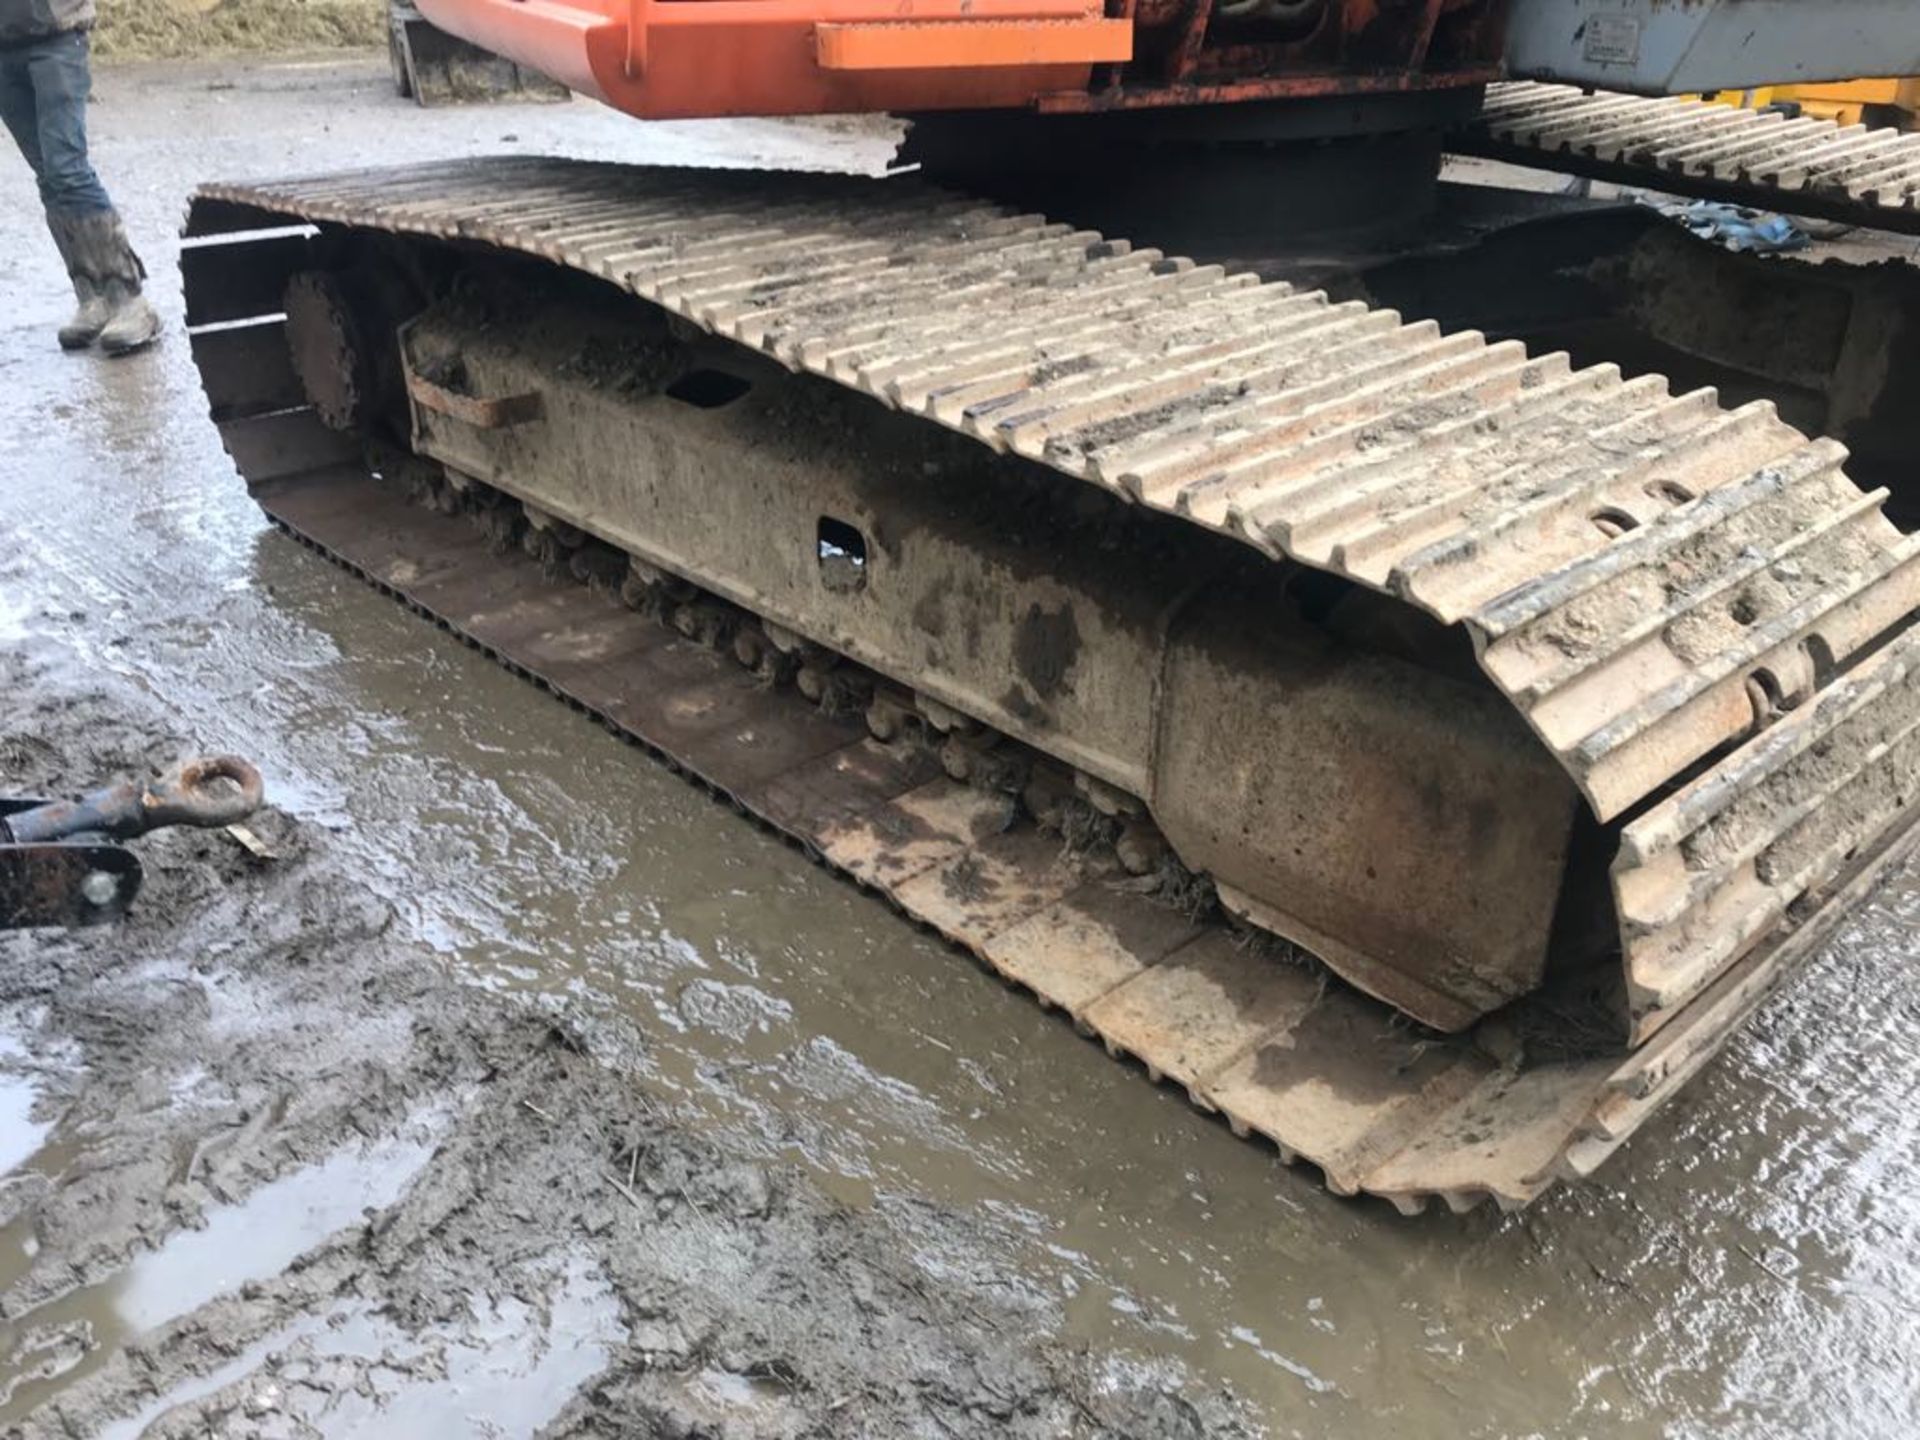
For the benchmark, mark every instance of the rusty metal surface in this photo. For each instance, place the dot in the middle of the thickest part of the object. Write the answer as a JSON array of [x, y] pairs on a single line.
[[317, 340], [1188, 50], [206, 792], [1256, 88], [498, 412], [1664, 590], [1800, 165]]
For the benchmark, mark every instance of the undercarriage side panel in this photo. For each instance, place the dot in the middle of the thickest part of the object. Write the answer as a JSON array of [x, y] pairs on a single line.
[[1171, 665]]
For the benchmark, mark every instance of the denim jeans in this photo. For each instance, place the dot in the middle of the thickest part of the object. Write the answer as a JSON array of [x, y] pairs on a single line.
[[43, 98]]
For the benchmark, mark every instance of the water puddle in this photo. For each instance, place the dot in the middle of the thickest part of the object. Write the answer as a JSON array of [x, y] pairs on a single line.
[[351, 1374], [727, 1399], [21, 1136], [64, 1339], [214, 1381], [503, 1375], [15, 613], [261, 1235]]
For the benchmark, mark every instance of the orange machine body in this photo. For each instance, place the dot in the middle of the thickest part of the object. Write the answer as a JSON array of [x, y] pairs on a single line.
[[667, 59]]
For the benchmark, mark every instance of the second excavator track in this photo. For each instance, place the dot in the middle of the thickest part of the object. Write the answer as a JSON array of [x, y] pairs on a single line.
[[1695, 611], [1855, 174]]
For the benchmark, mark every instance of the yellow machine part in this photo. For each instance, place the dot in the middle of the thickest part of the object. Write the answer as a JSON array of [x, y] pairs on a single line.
[[1848, 102]]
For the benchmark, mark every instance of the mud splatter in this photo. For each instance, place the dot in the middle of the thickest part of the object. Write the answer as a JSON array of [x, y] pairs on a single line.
[[1045, 645]]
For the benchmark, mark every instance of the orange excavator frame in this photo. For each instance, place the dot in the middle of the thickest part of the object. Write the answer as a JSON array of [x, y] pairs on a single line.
[[679, 59], [668, 59]]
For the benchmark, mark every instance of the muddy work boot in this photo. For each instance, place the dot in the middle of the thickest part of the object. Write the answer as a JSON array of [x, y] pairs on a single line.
[[132, 323], [89, 316], [91, 312], [106, 278]]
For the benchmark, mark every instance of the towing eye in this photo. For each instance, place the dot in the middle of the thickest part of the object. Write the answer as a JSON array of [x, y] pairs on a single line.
[[57, 865]]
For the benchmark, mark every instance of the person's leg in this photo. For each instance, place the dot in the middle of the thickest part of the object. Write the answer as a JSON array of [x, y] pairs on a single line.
[[18, 109], [62, 82], [106, 272]]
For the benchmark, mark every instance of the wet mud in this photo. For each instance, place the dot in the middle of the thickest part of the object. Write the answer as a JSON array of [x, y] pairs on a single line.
[[530, 1092], [299, 1179]]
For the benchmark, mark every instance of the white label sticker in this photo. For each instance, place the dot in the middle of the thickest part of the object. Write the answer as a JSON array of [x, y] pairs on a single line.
[[1613, 40]]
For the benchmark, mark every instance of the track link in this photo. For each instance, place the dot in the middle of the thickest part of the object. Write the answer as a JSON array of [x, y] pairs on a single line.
[[1803, 166], [1696, 611]]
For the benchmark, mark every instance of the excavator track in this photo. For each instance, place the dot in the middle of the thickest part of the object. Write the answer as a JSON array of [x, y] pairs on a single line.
[[1800, 165], [1697, 614]]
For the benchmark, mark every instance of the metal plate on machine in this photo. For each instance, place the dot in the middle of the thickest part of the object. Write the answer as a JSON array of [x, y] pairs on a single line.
[[1612, 40]]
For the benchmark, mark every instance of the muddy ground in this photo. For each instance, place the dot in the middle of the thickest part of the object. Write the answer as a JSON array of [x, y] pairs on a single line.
[[529, 1092], [304, 1181]]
